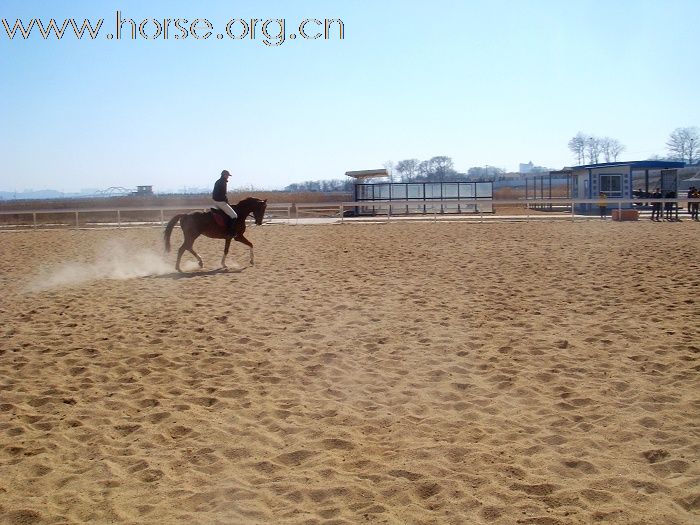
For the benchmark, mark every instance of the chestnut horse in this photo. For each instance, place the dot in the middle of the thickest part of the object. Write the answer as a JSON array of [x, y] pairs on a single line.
[[204, 223]]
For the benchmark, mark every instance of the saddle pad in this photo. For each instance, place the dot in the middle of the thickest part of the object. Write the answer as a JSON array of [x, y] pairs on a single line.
[[219, 218]]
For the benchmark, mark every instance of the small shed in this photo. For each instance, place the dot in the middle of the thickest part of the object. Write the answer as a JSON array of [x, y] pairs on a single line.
[[143, 190], [614, 179]]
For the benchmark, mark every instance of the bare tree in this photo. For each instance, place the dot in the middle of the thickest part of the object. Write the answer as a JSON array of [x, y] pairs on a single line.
[[441, 166], [485, 173], [616, 148], [577, 145], [408, 169], [684, 144], [593, 149], [424, 169], [611, 148]]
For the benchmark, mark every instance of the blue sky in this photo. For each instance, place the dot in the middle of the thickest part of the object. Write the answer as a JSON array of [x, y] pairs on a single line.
[[484, 82]]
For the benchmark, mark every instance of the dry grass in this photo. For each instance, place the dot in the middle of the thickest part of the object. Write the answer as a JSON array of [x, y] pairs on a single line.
[[155, 201], [519, 194], [509, 193], [186, 201]]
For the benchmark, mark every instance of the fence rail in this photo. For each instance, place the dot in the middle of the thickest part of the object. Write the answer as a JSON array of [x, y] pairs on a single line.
[[118, 212], [436, 205], [388, 206]]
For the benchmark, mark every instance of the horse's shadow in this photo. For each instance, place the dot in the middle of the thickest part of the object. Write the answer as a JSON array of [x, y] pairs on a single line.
[[197, 273]]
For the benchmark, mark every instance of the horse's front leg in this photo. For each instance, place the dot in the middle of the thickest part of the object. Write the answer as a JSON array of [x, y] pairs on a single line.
[[226, 247], [245, 241]]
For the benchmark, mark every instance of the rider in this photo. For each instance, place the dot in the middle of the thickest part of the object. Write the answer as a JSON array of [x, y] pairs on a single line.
[[221, 201]]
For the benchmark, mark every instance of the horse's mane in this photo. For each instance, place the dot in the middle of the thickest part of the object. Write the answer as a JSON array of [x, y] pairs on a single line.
[[248, 200]]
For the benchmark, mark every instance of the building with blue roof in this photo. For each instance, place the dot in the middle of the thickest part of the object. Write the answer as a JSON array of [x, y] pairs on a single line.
[[615, 179]]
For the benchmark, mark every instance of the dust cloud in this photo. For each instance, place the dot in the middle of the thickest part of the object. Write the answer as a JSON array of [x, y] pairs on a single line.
[[113, 260]]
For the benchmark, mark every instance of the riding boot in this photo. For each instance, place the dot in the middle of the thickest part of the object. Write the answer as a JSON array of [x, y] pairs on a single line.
[[232, 227]]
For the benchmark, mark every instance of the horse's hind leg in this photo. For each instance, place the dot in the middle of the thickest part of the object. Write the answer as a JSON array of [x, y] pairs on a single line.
[[189, 247], [179, 256], [199, 259], [226, 247], [183, 248], [190, 236]]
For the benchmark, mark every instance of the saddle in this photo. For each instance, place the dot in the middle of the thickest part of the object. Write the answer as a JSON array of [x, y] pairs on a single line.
[[220, 218]]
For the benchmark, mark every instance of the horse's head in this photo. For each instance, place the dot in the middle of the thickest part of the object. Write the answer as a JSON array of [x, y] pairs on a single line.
[[254, 206], [259, 211]]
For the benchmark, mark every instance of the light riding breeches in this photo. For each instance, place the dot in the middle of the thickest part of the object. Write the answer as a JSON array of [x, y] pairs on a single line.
[[224, 206]]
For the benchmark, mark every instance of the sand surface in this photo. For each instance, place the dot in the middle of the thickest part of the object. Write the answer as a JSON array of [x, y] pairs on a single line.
[[505, 373]]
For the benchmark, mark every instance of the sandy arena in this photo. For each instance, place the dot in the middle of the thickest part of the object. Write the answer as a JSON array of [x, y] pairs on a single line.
[[402, 373]]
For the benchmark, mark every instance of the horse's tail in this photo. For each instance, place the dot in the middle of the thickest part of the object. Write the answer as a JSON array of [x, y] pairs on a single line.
[[169, 230]]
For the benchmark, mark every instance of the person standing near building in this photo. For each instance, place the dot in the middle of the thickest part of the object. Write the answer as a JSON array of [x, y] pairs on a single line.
[[603, 205], [690, 206], [656, 206], [669, 206], [221, 200], [694, 206]]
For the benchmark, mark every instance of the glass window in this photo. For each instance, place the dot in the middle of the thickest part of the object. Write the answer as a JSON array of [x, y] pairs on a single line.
[[415, 191], [382, 191], [611, 185], [398, 191], [433, 191], [449, 191], [466, 190], [484, 189], [365, 192]]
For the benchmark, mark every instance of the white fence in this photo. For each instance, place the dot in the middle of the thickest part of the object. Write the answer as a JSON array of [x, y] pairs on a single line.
[[73, 214], [290, 211]]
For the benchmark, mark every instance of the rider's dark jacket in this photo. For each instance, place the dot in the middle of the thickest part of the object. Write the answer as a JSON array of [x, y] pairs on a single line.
[[219, 193]]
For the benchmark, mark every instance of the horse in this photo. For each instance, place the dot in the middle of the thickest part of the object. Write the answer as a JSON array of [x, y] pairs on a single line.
[[205, 223]]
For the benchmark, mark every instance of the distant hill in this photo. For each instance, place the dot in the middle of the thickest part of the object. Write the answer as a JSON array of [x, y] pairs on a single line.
[[40, 194]]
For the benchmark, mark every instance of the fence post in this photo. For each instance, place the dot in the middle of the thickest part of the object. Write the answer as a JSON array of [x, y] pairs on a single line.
[[34, 218], [119, 219], [77, 224], [161, 218], [572, 211]]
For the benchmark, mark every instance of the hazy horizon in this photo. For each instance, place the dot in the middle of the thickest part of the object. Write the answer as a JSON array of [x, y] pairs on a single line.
[[485, 83]]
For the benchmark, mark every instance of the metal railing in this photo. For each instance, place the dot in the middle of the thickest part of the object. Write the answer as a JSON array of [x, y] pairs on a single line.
[[437, 206], [338, 209]]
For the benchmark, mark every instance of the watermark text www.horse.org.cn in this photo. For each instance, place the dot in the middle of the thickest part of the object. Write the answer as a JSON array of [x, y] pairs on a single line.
[[271, 32]]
